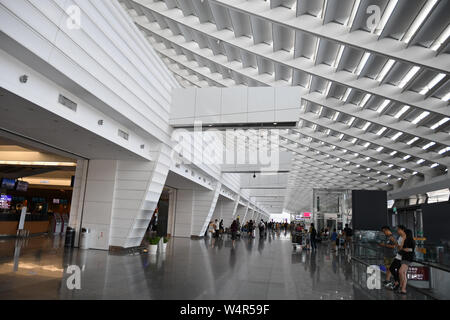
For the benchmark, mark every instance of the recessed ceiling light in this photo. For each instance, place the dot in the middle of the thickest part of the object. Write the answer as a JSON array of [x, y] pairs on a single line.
[[402, 111], [387, 66], [430, 144], [383, 105], [439, 123], [408, 76], [395, 136], [432, 83]]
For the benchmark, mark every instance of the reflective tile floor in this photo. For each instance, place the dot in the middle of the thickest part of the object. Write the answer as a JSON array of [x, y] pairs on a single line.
[[190, 269]]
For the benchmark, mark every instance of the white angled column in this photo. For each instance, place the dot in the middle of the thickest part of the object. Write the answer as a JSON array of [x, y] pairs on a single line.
[[228, 211], [138, 189], [203, 208]]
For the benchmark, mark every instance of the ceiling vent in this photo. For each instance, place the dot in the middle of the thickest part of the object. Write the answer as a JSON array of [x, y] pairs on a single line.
[[67, 102]]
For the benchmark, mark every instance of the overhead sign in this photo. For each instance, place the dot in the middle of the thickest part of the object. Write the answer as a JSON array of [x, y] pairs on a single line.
[[306, 214], [298, 217]]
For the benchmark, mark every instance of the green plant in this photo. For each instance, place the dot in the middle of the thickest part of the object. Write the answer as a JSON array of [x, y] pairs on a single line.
[[165, 239], [154, 241]]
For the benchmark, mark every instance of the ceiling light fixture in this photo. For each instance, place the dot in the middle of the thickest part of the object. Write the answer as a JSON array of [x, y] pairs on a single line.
[[411, 73], [386, 68]]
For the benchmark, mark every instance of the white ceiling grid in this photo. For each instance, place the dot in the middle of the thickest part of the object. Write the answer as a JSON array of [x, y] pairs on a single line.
[[374, 104]]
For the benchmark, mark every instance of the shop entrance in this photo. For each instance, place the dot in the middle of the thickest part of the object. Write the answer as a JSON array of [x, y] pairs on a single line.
[[38, 183], [162, 222]]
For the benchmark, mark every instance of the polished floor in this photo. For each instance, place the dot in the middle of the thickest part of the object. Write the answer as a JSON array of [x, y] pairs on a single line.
[[190, 269]]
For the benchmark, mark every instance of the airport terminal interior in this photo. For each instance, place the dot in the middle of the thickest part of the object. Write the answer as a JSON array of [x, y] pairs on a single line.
[[225, 149]]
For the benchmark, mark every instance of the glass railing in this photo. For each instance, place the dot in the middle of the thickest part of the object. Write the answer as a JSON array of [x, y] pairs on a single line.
[[366, 247]]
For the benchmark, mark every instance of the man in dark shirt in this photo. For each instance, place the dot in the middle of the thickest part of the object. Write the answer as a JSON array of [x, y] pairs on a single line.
[[388, 246], [348, 232], [313, 237]]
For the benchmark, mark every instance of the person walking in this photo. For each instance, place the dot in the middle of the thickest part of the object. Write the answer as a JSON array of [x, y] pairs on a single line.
[[221, 229], [313, 235], [234, 229], [216, 229], [388, 245], [348, 236], [261, 229], [394, 269], [407, 253], [334, 239]]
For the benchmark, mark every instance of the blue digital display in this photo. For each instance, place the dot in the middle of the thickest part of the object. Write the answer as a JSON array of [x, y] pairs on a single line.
[[8, 183]]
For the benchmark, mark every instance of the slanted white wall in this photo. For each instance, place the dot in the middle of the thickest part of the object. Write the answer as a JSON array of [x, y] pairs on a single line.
[[98, 202], [235, 105]]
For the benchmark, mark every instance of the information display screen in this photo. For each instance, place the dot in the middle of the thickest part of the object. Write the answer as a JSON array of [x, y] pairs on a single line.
[[5, 201], [8, 183], [22, 186]]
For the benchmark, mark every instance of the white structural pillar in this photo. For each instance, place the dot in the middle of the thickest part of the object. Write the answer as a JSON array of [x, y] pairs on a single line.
[[138, 189], [203, 207], [228, 211], [194, 211], [121, 197]]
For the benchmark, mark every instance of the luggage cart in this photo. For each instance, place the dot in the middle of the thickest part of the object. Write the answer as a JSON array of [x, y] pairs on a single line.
[[297, 241]]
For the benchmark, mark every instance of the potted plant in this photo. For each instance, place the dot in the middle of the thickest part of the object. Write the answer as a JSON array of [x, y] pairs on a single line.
[[153, 244], [164, 244]]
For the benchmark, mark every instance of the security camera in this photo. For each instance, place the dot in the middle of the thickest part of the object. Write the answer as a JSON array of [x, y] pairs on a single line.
[[23, 78]]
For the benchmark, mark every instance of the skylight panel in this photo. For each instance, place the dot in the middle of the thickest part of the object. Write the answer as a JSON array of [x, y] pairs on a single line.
[[383, 105], [412, 140], [327, 89], [346, 94], [441, 39], [420, 117], [353, 13], [362, 63], [338, 56], [336, 115], [444, 150], [432, 83], [380, 132], [411, 73], [352, 119], [387, 66], [316, 49], [364, 100], [430, 144], [419, 20], [402, 111], [386, 15], [395, 136], [446, 97], [366, 126], [439, 123]]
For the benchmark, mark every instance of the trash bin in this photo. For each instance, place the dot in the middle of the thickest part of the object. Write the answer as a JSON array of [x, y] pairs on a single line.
[[70, 238], [84, 239]]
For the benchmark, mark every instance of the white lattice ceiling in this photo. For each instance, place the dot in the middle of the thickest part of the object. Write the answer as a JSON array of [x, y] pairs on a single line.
[[375, 93]]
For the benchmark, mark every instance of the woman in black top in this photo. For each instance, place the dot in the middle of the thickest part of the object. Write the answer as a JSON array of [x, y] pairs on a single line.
[[407, 253]]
